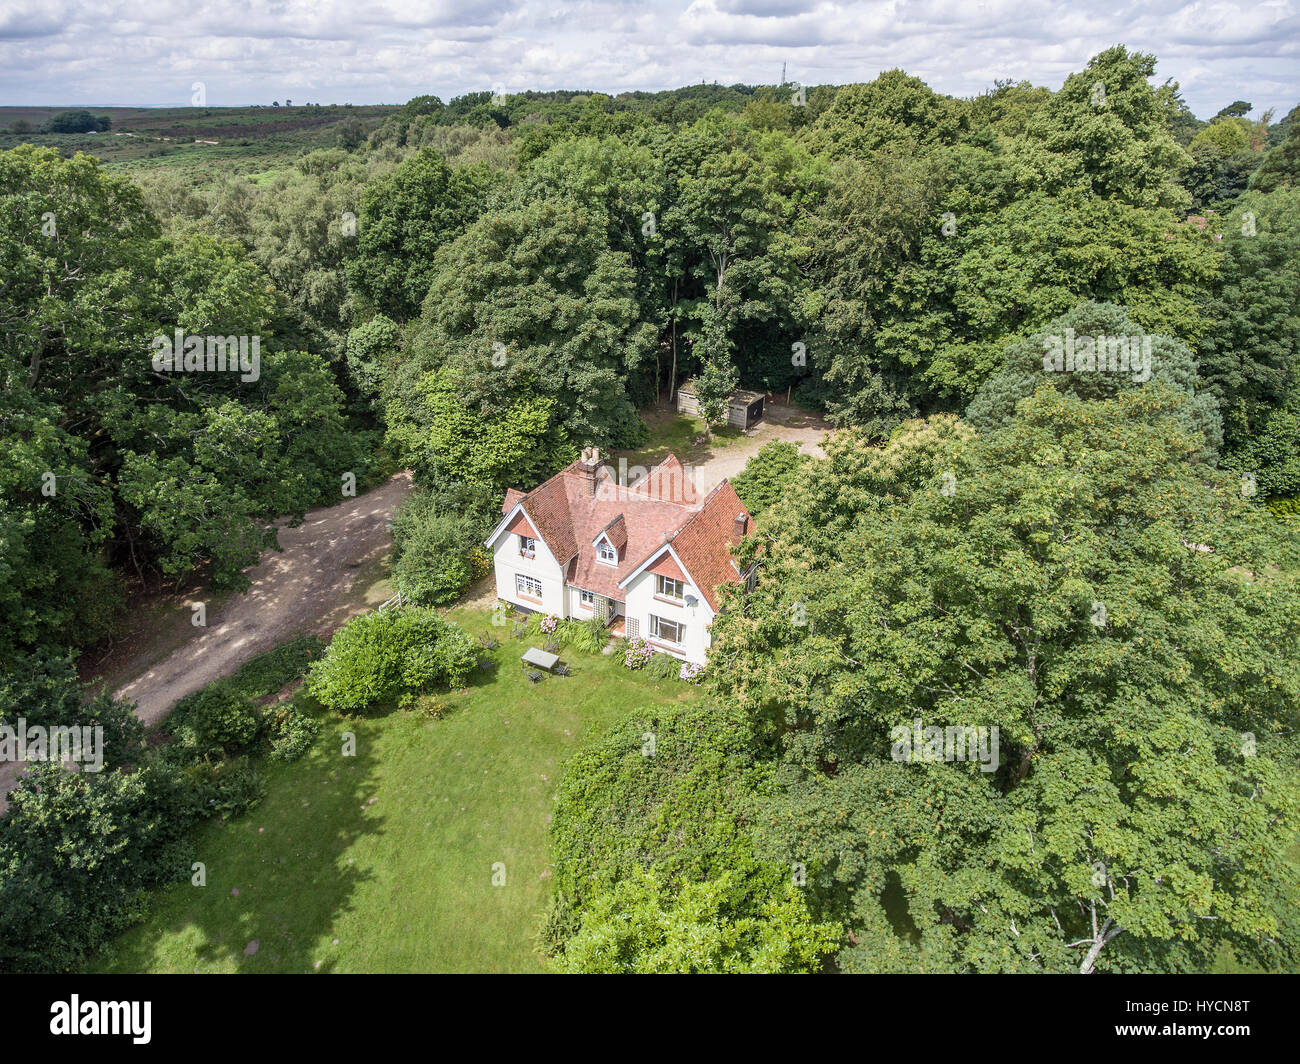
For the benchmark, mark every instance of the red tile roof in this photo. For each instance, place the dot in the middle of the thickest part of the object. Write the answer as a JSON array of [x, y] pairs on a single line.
[[665, 566], [616, 532], [704, 542], [661, 508]]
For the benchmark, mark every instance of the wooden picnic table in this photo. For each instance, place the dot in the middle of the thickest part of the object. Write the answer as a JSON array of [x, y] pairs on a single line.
[[540, 658]]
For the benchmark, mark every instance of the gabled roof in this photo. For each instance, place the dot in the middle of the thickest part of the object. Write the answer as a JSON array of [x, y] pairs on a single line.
[[615, 532], [571, 511], [702, 545]]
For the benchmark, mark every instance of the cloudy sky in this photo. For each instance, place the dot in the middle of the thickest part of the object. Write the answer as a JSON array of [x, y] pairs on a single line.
[[151, 52]]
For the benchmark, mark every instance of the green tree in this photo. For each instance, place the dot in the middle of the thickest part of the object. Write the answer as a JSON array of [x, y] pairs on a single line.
[[1250, 355], [405, 217], [766, 476], [1281, 166], [530, 316], [1102, 368], [1081, 582]]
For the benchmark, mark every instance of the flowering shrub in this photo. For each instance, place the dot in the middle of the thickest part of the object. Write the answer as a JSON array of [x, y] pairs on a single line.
[[549, 623], [690, 672], [637, 653]]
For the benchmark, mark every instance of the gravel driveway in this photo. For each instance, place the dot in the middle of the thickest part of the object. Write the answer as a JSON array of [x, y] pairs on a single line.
[[312, 583]]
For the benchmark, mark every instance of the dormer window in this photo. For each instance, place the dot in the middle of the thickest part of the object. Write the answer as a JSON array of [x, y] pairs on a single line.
[[528, 546], [606, 553]]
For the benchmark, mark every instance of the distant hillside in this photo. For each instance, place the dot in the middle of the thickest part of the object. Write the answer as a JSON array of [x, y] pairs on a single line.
[[171, 136]]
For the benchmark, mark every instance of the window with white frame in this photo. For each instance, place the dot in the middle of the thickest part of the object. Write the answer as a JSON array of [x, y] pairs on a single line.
[[588, 599], [666, 631], [667, 587], [606, 553], [527, 546], [527, 586]]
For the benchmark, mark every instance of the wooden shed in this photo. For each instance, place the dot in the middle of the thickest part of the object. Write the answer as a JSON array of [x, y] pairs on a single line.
[[744, 408]]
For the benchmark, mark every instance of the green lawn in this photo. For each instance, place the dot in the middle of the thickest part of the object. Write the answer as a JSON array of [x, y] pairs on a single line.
[[383, 862]]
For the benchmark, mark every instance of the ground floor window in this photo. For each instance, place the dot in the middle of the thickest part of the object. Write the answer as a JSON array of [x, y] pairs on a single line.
[[668, 631], [588, 599], [527, 586]]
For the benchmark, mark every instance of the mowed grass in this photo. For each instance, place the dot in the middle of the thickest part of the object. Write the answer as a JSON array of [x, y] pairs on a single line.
[[383, 861]]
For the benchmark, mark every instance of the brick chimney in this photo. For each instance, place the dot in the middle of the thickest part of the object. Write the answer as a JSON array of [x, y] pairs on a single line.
[[741, 523], [588, 468]]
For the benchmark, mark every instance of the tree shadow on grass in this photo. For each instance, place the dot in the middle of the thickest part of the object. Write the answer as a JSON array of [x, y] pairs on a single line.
[[277, 877]]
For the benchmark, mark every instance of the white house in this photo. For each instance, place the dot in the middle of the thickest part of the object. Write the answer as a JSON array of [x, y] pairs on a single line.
[[647, 559]]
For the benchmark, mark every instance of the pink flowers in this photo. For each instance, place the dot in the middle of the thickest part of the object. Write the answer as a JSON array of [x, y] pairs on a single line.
[[549, 623], [690, 672], [637, 653]]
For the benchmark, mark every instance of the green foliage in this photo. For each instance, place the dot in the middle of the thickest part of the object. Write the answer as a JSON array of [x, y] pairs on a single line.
[[1250, 357], [1050, 579], [663, 667], [713, 388], [218, 719], [43, 690], [1089, 332], [371, 348], [224, 789], [290, 731], [895, 112], [377, 656], [438, 543], [80, 851], [522, 349], [1281, 166], [268, 673], [78, 122], [1272, 455], [405, 218], [672, 820], [589, 636], [455, 657], [767, 474], [117, 467], [725, 925], [77, 853]]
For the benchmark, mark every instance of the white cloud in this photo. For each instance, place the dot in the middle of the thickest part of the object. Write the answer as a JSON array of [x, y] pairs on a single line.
[[120, 52]]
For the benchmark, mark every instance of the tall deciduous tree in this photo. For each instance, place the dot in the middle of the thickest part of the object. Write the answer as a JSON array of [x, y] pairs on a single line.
[[1081, 582]]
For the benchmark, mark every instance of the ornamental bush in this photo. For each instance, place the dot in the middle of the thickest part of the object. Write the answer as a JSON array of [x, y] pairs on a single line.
[[216, 720], [637, 653], [290, 731], [377, 656]]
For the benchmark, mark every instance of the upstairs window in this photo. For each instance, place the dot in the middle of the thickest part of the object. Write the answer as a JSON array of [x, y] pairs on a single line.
[[606, 552], [528, 546], [667, 587]]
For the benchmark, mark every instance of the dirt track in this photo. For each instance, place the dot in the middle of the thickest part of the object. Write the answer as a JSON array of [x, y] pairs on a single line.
[[781, 422], [313, 584]]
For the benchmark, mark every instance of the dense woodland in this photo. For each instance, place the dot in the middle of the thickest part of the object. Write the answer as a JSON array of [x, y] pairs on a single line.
[[476, 290]]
